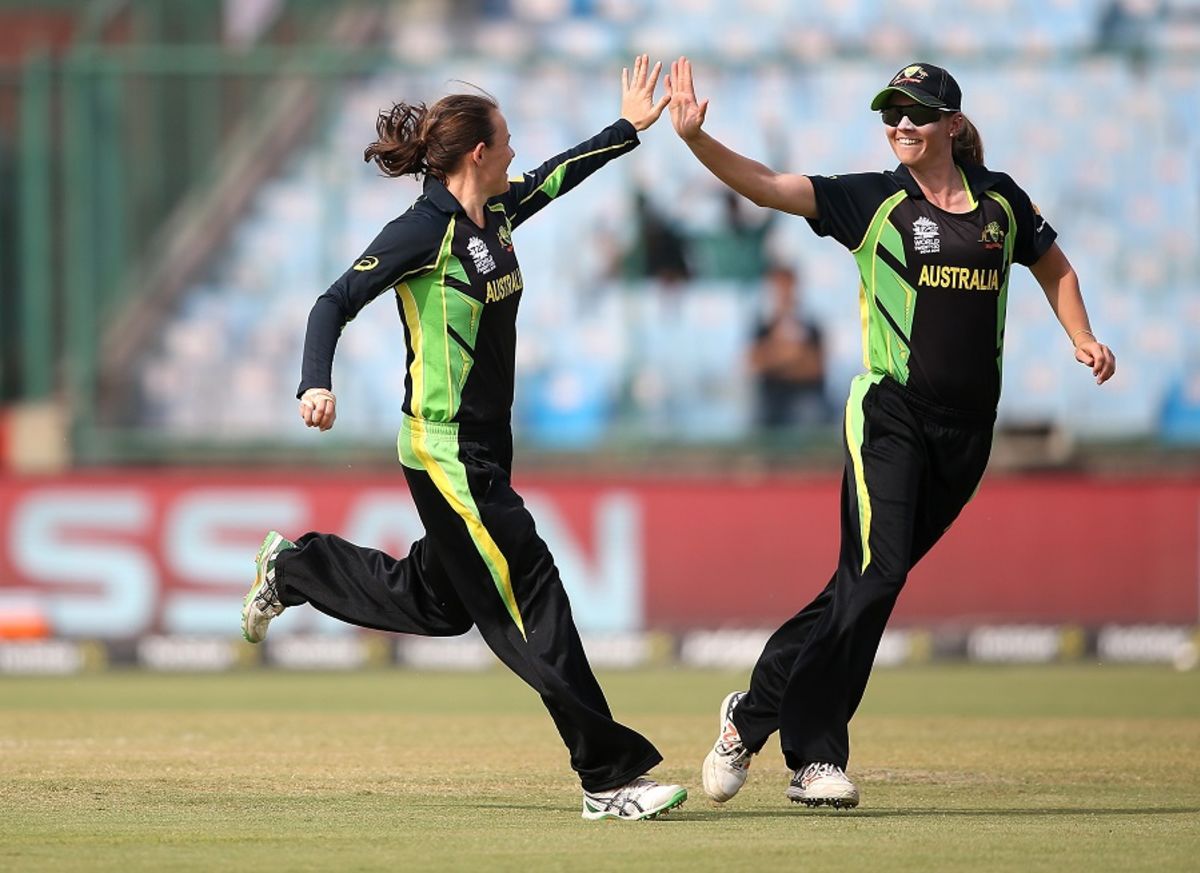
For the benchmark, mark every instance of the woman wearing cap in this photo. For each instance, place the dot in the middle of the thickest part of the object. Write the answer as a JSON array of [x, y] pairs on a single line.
[[450, 260], [934, 241]]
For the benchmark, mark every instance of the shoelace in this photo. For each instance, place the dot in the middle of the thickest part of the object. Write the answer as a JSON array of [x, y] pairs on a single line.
[[268, 596], [742, 760], [733, 749], [625, 795], [738, 755], [816, 771]]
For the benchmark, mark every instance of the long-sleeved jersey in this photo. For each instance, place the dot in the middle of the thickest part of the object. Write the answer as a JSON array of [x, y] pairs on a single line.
[[934, 284], [457, 289]]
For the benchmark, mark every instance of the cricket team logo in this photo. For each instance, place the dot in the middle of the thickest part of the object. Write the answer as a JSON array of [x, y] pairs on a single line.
[[992, 236], [505, 234], [478, 250], [910, 75], [926, 239]]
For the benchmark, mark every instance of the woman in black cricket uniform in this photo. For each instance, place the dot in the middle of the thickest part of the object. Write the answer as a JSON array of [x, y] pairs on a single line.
[[451, 263], [934, 241]]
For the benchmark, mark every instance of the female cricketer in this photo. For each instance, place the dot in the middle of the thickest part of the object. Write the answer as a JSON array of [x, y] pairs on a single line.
[[934, 241], [451, 262]]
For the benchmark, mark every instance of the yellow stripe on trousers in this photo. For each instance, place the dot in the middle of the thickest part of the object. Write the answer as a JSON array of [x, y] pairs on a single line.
[[453, 486], [855, 420]]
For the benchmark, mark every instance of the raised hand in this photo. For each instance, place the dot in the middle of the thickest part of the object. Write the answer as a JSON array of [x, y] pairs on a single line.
[[686, 113], [638, 105]]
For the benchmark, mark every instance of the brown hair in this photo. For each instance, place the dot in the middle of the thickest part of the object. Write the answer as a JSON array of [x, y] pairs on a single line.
[[968, 145], [416, 140]]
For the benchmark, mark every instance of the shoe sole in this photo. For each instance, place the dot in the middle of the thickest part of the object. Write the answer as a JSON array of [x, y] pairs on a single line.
[[814, 802], [825, 801], [676, 800], [710, 757], [260, 578]]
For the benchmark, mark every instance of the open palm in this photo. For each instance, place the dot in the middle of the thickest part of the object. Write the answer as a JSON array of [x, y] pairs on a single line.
[[687, 114], [638, 105]]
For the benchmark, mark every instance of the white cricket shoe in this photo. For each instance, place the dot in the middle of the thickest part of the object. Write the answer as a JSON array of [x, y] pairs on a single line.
[[641, 798], [262, 603], [822, 784], [727, 765]]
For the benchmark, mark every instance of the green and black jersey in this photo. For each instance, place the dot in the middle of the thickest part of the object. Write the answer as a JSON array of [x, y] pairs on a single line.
[[934, 284], [457, 289]]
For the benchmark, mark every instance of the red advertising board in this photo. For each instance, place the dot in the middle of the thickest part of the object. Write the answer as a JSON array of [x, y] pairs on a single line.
[[121, 554]]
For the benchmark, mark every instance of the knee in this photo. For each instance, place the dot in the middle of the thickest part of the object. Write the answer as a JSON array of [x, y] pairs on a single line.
[[458, 622], [879, 585], [456, 627]]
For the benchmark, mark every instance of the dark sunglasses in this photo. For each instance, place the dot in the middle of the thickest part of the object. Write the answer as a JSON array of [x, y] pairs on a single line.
[[916, 113]]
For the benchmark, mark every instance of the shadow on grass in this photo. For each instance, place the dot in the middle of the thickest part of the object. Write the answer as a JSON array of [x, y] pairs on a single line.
[[702, 814], [1025, 811]]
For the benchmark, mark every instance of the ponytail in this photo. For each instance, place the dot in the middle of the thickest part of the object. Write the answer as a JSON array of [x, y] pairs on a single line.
[[968, 145], [418, 140], [399, 149]]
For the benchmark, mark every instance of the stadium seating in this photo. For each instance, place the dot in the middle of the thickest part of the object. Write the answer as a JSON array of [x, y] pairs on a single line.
[[1107, 148]]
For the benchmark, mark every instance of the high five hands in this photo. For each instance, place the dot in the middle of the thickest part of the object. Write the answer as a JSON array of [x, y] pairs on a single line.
[[687, 114], [638, 105]]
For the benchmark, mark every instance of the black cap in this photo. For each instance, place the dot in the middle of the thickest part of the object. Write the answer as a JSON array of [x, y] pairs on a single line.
[[928, 85]]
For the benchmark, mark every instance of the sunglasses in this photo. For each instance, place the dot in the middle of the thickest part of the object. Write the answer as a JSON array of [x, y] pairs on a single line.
[[916, 113]]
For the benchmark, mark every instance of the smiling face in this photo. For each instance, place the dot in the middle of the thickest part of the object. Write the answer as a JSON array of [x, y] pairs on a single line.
[[920, 146], [494, 158]]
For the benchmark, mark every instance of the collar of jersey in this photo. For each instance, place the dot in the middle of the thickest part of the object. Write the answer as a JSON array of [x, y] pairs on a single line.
[[439, 195], [980, 179]]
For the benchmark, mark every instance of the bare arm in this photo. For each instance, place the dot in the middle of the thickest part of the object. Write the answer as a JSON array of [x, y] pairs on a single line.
[[788, 192], [1061, 286]]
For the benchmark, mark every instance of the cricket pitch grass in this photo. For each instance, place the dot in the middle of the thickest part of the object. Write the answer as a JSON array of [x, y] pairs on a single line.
[[1060, 768]]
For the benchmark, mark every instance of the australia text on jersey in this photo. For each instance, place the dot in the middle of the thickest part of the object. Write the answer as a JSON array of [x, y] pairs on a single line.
[[508, 284], [959, 278]]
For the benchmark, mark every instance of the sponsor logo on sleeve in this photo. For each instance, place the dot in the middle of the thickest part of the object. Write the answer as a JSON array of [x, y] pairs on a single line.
[[1041, 222], [366, 264]]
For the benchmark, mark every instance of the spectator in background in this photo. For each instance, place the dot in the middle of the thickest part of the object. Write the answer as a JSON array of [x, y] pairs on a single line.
[[738, 250], [659, 250], [787, 357], [1125, 26]]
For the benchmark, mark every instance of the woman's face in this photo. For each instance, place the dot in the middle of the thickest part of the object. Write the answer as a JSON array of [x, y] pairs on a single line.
[[924, 142], [493, 165]]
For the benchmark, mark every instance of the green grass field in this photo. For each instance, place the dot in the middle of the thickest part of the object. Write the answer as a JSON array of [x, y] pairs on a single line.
[[961, 768]]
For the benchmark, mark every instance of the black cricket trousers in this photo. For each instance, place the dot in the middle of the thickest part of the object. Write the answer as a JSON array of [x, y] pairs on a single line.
[[911, 467], [480, 563]]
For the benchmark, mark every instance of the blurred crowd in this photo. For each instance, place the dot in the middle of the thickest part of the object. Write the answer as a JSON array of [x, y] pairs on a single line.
[[659, 308]]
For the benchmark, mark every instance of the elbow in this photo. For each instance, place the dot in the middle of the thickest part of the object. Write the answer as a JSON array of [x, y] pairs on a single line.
[[764, 195], [334, 302]]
